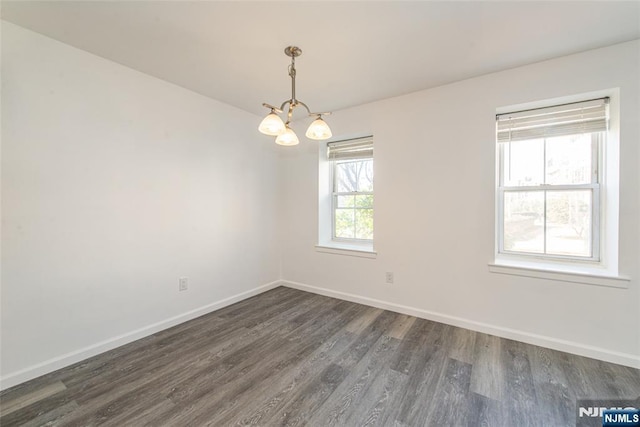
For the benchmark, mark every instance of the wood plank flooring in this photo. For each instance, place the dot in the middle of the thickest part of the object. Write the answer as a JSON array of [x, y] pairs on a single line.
[[288, 357]]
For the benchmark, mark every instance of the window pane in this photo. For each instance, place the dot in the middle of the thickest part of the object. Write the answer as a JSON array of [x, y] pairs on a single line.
[[524, 221], [345, 223], [364, 201], [353, 214], [569, 223], [345, 201], [345, 177], [354, 176], [364, 223], [523, 163], [569, 159], [365, 175]]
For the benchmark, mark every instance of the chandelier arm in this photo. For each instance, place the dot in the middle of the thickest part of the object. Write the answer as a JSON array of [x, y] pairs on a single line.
[[288, 101], [272, 107], [304, 105], [294, 103]]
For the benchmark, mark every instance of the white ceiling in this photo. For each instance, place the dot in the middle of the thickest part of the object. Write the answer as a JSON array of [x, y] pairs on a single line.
[[353, 52]]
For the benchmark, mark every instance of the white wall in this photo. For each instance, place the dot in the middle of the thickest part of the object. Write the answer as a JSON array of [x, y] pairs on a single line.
[[114, 185], [434, 211]]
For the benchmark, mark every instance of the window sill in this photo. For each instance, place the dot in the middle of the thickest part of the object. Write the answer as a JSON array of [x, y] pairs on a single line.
[[551, 273], [361, 251]]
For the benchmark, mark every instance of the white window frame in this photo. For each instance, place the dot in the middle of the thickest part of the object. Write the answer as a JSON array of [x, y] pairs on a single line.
[[326, 242], [597, 273], [334, 201], [595, 187]]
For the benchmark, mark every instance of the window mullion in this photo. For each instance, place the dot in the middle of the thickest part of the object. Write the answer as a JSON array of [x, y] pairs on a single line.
[[334, 205], [595, 226], [544, 195], [355, 228], [595, 158], [544, 162], [544, 231], [353, 193], [501, 219], [501, 165]]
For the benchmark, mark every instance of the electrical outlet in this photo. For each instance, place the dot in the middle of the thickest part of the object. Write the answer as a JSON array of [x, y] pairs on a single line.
[[389, 277], [183, 283]]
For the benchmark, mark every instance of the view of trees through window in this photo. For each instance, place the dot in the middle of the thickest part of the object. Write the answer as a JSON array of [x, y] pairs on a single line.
[[353, 199], [549, 190]]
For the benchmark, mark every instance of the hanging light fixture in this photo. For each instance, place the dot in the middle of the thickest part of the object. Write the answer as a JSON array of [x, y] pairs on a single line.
[[274, 126]]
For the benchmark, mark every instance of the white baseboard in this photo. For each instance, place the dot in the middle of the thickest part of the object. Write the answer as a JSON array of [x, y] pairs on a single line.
[[68, 359], [529, 338]]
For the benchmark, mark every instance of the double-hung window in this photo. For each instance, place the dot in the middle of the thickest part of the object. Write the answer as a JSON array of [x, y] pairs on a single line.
[[352, 189], [549, 181]]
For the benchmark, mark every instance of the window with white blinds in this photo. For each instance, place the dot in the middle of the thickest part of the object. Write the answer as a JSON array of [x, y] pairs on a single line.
[[360, 148], [549, 185], [560, 120], [352, 189]]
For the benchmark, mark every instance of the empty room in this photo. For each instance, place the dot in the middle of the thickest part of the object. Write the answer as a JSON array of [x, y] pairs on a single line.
[[320, 213]]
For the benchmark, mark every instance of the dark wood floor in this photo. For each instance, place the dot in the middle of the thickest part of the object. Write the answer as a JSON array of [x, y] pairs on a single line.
[[288, 357]]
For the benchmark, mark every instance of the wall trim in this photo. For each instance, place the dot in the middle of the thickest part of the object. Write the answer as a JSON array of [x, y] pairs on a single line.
[[514, 334], [68, 359], [76, 356]]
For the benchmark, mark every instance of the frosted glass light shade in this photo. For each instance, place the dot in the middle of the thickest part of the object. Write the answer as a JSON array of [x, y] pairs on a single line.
[[271, 125], [288, 137], [318, 130]]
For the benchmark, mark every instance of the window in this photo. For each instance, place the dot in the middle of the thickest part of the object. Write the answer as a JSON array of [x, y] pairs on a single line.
[[550, 181], [352, 189]]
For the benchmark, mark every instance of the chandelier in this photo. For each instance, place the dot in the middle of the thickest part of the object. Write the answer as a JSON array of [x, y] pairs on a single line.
[[274, 126]]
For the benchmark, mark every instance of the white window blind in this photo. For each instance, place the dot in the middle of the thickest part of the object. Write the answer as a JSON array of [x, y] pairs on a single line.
[[360, 148], [560, 120]]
